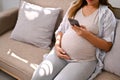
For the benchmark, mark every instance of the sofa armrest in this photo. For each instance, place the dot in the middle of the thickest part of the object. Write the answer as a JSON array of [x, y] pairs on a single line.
[[8, 20]]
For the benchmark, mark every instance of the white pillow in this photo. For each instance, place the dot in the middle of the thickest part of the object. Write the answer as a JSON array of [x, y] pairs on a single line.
[[35, 24], [112, 59]]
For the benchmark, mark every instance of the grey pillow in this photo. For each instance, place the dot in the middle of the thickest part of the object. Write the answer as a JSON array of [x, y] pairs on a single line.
[[112, 59], [35, 24]]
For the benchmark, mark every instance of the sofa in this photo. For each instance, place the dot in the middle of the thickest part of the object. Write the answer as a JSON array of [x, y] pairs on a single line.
[[19, 59]]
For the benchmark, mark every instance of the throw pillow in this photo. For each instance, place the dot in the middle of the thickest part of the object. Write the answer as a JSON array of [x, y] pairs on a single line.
[[112, 59], [35, 24]]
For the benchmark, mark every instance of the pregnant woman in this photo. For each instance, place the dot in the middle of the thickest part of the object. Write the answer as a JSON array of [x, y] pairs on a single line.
[[79, 51]]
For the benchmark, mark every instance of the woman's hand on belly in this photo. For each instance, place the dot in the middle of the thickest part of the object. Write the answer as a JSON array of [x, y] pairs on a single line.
[[61, 53]]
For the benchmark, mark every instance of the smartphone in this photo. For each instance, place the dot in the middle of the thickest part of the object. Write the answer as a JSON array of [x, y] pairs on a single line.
[[74, 22]]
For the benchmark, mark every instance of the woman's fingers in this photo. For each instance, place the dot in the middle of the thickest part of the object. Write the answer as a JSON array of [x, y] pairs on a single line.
[[80, 30], [77, 30], [64, 56], [61, 53]]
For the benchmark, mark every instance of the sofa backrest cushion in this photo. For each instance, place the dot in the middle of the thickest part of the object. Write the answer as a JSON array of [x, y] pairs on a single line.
[[8, 20], [116, 12], [63, 4], [112, 59]]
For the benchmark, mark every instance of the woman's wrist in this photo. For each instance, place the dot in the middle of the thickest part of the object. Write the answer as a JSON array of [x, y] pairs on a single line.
[[87, 34], [57, 45]]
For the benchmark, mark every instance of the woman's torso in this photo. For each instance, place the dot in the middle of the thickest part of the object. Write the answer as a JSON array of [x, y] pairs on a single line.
[[76, 46]]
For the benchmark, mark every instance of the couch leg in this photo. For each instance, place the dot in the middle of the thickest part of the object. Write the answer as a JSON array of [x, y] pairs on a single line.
[[17, 78]]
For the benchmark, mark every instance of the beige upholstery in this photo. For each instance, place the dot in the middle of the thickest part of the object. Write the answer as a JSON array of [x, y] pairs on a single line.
[[8, 20], [17, 58], [20, 59], [117, 12], [107, 76]]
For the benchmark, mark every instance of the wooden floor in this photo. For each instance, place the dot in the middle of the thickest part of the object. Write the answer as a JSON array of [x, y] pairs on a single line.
[[4, 76]]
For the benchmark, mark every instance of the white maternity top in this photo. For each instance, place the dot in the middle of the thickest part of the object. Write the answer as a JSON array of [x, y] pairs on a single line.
[[76, 46]]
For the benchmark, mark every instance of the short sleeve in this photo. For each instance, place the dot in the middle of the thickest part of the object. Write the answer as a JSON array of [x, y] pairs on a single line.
[[64, 25], [109, 26]]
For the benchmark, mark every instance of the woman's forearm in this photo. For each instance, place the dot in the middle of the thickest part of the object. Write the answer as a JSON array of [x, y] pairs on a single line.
[[93, 39], [98, 42], [58, 39]]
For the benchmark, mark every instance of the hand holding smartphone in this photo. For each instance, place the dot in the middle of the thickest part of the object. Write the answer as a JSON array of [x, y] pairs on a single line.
[[74, 22]]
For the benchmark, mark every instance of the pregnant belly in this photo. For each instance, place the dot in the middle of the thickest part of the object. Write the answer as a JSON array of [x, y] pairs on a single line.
[[77, 47]]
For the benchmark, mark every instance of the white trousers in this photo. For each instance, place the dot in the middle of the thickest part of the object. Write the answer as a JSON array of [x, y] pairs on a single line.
[[54, 68]]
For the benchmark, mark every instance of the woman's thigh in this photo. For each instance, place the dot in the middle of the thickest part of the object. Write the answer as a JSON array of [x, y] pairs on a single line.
[[77, 71], [49, 67]]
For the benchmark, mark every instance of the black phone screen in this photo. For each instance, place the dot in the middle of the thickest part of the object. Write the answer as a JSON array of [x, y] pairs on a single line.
[[74, 22]]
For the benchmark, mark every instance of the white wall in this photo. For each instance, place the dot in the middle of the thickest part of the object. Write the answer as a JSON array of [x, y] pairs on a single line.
[[115, 3], [7, 4]]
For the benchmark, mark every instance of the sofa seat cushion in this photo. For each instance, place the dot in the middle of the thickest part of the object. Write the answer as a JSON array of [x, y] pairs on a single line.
[[19, 58], [107, 76]]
